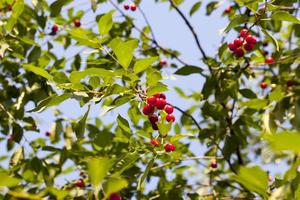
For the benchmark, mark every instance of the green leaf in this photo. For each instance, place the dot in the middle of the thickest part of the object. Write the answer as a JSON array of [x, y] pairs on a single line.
[[98, 169], [189, 69], [254, 179], [56, 7], [277, 94], [38, 71], [159, 87], [195, 7], [285, 16], [237, 20], [178, 137], [17, 10], [210, 7], [255, 103], [76, 76], [80, 125], [123, 124], [123, 50], [51, 101], [272, 38], [85, 37], [105, 23], [114, 185], [142, 64], [145, 174], [285, 141], [248, 93], [7, 180]]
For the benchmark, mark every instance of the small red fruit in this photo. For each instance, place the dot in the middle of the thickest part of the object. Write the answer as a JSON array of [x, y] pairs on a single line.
[[153, 118], [214, 164], [160, 95], [244, 32], [265, 53], [155, 142], [48, 134], [248, 47], [160, 103], [228, 10], [151, 100], [269, 60], [231, 46], [115, 196], [170, 147], [290, 83], [80, 183], [169, 109], [54, 28], [238, 42], [263, 85], [133, 7], [170, 118], [239, 52], [10, 7], [77, 23], [250, 39], [126, 6], [163, 62], [148, 109]]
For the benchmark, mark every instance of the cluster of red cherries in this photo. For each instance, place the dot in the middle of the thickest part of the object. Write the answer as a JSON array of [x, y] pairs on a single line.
[[158, 102], [55, 27], [132, 7], [245, 42]]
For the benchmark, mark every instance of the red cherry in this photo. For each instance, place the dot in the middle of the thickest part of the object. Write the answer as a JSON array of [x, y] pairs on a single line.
[[54, 28], [269, 60], [228, 10], [239, 52], [263, 85], [170, 118], [290, 83], [214, 164], [133, 7], [244, 32], [160, 103], [160, 95], [155, 143], [48, 134], [80, 183], [238, 42], [148, 109], [250, 39], [169, 109], [154, 126], [231, 46], [170, 147], [115, 196], [153, 118], [163, 62], [10, 7], [126, 6], [77, 23], [265, 53], [248, 47], [151, 100]]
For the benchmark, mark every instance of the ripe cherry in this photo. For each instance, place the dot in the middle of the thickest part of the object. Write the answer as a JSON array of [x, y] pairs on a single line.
[[238, 42], [170, 147], [160, 95], [148, 109], [133, 7], [169, 109], [115, 196], [269, 60], [80, 183], [48, 134], [170, 118], [155, 142], [151, 100], [228, 10], [265, 53], [250, 39], [10, 7], [163, 62], [263, 85], [290, 83], [154, 126], [214, 164], [126, 6], [54, 29], [244, 32], [231, 46], [160, 103], [239, 52], [153, 118], [77, 23], [248, 47]]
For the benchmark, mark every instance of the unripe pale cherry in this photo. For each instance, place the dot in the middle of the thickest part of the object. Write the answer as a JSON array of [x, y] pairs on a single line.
[[170, 118], [155, 142], [263, 85], [269, 60], [115, 196], [151, 100], [169, 109], [148, 109], [231, 46], [153, 118], [170, 147], [243, 32], [160, 103], [238, 42], [239, 52]]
